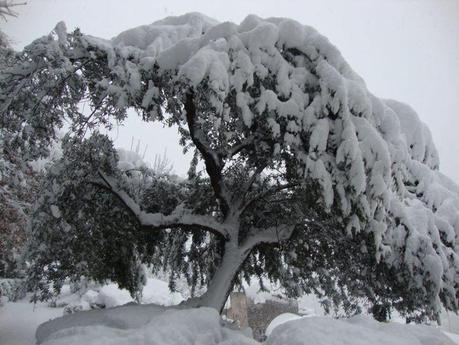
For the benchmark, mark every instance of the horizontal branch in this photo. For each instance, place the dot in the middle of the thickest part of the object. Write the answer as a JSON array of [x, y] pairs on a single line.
[[273, 234], [180, 217]]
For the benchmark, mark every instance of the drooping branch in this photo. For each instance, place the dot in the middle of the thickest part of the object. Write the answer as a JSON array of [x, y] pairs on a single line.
[[214, 163], [179, 218]]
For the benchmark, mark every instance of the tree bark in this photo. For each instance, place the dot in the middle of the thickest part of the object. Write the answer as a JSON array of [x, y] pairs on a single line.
[[222, 282]]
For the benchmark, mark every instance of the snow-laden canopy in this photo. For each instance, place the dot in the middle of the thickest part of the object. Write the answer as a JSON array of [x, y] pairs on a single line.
[[374, 158], [277, 98]]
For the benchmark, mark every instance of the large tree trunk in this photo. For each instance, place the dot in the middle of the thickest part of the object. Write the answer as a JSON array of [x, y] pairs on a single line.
[[222, 282]]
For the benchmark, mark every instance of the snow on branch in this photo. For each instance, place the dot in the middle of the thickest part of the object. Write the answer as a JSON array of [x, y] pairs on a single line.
[[179, 218], [273, 234]]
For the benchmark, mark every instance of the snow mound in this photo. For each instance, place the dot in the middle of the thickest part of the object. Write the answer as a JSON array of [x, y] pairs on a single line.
[[123, 317], [359, 330], [279, 320], [137, 324], [158, 325]]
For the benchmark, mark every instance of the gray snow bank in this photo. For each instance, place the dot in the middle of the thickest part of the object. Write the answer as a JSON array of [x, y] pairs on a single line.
[[359, 330], [140, 325]]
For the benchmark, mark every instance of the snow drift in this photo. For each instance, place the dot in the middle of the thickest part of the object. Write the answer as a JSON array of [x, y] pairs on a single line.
[[140, 324], [359, 330], [154, 325]]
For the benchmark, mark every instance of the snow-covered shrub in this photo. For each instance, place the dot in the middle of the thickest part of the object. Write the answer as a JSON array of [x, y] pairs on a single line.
[[12, 289]]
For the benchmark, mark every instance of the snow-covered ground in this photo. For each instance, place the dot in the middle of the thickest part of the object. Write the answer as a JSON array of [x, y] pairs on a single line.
[[158, 323], [19, 321], [155, 325]]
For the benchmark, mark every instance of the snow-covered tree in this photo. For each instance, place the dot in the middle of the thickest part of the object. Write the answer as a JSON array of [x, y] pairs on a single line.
[[17, 179], [308, 178]]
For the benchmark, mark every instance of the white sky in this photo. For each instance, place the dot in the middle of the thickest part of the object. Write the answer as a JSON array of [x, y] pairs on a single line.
[[404, 49]]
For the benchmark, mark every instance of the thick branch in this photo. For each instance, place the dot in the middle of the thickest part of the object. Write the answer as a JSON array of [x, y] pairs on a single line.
[[214, 163], [179, 218], [273, 234]]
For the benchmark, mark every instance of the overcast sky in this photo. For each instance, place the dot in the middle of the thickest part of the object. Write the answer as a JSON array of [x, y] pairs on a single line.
[[404, 49]]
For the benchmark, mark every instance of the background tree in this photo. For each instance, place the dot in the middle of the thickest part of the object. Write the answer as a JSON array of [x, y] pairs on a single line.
[[17, 179], [308, 178]]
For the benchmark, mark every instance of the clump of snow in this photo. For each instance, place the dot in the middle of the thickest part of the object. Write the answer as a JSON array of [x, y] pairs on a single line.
[[359, 330]]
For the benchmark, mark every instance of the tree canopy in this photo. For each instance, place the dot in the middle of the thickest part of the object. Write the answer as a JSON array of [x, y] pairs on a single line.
[[308, 178]]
